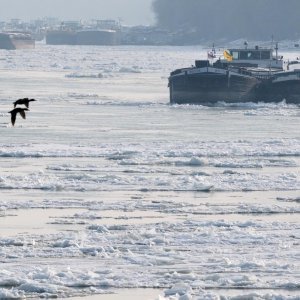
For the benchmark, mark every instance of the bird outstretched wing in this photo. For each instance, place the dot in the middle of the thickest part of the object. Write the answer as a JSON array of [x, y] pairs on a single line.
[[22, 113], [13, 119]]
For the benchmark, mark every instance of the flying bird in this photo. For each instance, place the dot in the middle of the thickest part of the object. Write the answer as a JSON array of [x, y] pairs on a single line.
[[24, 101], [14, 113]]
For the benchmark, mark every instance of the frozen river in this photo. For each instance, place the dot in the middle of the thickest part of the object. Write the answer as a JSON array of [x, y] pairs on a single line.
[[107, 189]]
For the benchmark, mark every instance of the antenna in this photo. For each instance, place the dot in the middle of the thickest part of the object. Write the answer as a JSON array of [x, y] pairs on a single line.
[[272, 41], [276, 49]]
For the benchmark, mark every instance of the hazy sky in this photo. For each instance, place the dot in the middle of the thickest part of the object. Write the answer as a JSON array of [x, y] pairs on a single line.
[[131, 12]]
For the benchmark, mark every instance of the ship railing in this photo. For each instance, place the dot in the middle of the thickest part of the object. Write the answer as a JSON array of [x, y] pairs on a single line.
[[259, 74]]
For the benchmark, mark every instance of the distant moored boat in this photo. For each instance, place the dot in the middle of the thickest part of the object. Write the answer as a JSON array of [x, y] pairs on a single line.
[[82, 37], [12, 40]]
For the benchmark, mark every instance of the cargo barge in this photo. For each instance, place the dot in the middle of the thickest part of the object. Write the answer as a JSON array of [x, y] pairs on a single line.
[[241, 75], [13, 40], [82, 37]]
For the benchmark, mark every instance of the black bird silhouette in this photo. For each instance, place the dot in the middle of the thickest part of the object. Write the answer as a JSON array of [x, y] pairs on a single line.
[[24, 101], [14, 113]]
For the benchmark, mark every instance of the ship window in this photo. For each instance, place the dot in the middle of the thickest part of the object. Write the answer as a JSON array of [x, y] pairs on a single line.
[[249, 55], [255, 55], [243, 55], [265, 55], [235, 54]]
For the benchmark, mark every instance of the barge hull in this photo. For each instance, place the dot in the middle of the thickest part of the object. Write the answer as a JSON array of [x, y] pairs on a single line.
[[273, 91], [212, 88], [13, 41]]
